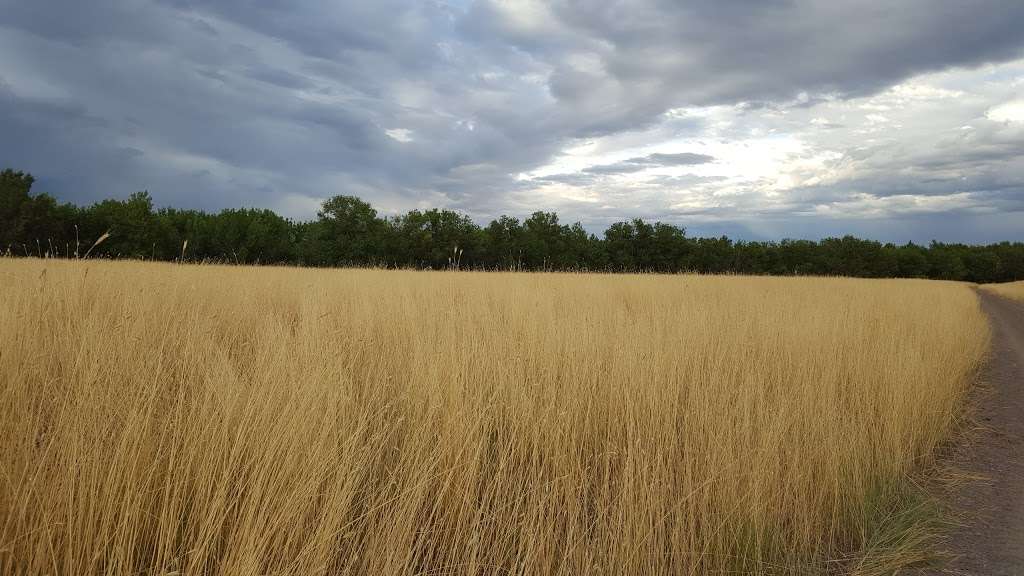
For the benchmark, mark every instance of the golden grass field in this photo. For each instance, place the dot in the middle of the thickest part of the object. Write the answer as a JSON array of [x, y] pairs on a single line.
[[162, 419], [1014, 290]]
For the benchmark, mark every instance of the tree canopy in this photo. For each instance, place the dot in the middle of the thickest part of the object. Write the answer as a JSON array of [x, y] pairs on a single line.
[[349, 232]]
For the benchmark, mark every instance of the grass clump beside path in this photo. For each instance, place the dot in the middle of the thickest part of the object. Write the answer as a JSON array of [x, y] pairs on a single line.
[[1013, 290]]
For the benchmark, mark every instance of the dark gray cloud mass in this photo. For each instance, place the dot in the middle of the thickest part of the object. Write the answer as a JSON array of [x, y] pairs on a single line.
[[459, 103]]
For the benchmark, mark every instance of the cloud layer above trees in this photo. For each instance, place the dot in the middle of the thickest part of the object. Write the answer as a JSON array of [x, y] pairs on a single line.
[[762, 119]]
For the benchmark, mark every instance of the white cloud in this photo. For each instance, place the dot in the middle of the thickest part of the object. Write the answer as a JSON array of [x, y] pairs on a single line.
[[403, 135], [914, 149], [1008, 112]]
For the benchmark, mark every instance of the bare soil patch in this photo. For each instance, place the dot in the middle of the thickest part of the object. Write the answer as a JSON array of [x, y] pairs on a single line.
[[990, 539]]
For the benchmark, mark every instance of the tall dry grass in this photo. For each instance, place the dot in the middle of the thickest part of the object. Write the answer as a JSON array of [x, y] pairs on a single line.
[[1014, 290], [162, 419]]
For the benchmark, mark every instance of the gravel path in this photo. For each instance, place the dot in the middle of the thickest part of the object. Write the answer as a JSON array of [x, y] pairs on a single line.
[[991, 540]]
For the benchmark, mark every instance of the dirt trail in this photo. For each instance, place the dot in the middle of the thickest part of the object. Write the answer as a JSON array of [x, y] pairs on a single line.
[[991, 540]]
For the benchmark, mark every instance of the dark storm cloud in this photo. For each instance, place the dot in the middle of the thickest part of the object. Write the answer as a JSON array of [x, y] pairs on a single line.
[[217, 103], [712, 51], [619, 64]]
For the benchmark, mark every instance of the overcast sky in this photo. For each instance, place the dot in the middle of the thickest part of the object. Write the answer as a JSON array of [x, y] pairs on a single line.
[[761, 119]]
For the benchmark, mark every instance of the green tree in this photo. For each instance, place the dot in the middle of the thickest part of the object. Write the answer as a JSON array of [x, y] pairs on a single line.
[[503, 241], [435, 239], [944, 263], [248, 236], [542, 240], [131, 224], [713, 255], [14, 195], [580, 250], [349, 233], [912, 261]]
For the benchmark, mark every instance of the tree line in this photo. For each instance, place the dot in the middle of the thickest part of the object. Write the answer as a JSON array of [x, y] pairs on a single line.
[[348, 232]]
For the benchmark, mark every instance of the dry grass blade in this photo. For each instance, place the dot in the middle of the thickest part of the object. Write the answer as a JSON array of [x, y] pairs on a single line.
[[242, 421], [96, 243]]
